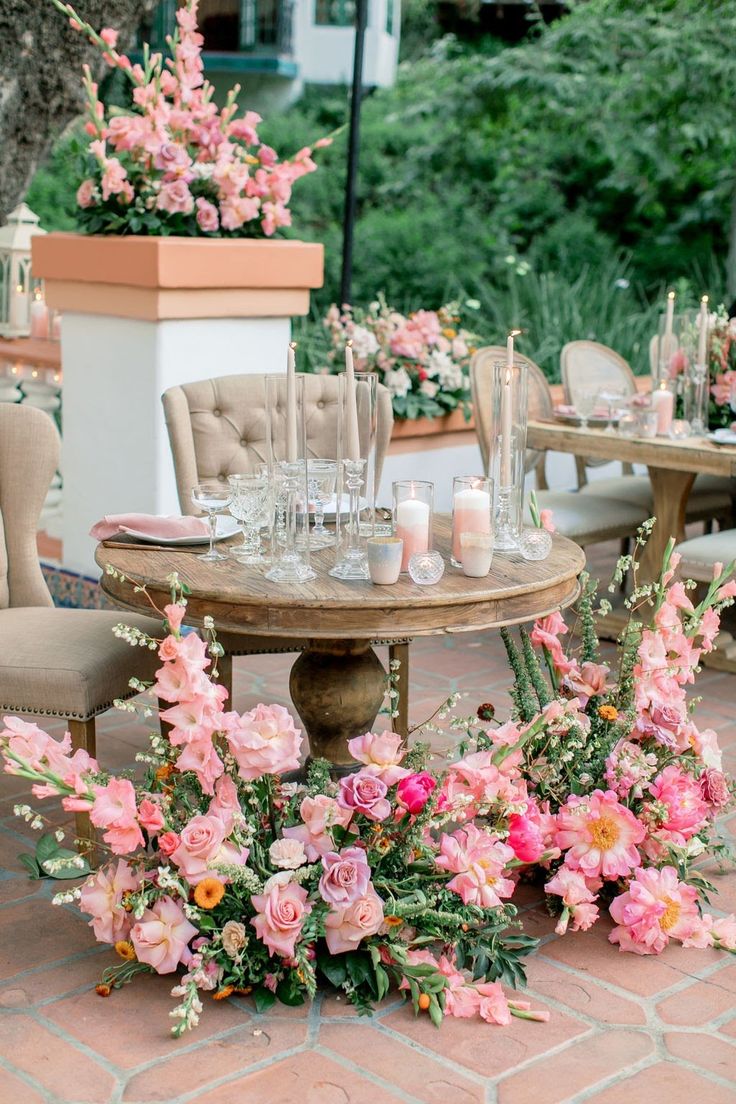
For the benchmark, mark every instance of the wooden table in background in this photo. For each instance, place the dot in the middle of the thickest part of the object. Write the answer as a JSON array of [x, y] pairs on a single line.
[[337, 683], [672, 467]]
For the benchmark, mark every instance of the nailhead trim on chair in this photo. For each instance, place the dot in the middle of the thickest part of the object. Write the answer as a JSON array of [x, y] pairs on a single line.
[[66, 716]]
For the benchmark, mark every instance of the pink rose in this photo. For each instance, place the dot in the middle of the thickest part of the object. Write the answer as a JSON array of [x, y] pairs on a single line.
[[201, 846], [168, 843], [150, 817], [714, 788], [102, 897], [175, 198], [320, 814], [346, 927], [588, 681], [346, 876], [207, 217], [161, 936], [264, 741], [366, 794], [413, 792], [281, 914], [381, 752], [86, 193]]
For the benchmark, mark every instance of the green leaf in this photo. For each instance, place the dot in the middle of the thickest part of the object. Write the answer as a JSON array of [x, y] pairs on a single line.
[[49, 851], [334, 968], [263, 999], [360, 967], [29, 862], [289, 992]]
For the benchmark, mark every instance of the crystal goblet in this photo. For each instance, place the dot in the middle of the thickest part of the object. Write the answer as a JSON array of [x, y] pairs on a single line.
[[322, 478], [250, 494], [213, 498]]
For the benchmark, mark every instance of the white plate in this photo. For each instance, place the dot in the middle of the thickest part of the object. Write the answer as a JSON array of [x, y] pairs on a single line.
[[227, 526], [722, 437]]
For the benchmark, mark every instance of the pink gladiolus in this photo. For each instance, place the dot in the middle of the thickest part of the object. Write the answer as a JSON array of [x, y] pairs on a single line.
[[599, 835], [366, 794], [345, 928], [86, 193], [281, 914], [578, 897], [150, 816], [414, 791], [174, 614], [102, 897], [264, 741], [656, 908], [109, 37], [226, 803], [201, 757], [345, 878], [588, 681], [161, 936], [381, 753], [114, 810]]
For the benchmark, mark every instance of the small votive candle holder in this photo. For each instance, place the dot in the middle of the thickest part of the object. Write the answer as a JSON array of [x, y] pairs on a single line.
[[648, 421], [472, 509], [535, 544], [426, 568], [413, 506], [384, 559], [681, 429], [477, 554]]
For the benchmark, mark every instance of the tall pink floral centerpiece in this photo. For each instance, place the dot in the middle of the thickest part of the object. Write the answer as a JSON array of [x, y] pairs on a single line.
[[181, 271]]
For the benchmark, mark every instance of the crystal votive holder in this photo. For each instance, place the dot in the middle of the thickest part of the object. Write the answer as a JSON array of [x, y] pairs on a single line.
[[535, 544], [426, 568]]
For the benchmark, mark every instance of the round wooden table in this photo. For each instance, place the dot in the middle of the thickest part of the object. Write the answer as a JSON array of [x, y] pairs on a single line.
[[337, 683]]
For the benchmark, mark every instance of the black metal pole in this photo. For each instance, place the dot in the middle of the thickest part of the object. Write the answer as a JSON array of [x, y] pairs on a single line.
[[351, 196]]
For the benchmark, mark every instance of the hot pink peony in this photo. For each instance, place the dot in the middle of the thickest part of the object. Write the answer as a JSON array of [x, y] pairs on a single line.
[[525, 838], [599, 835], [366, 794], [161, 936], [382, 753], [102, 897], [264, 741], [478, 860], [281, 914], [346, 927], [345, 878], [656, 908], [414, 791]]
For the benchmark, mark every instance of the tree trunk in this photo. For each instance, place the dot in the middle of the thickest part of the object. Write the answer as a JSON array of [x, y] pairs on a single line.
[[731, 258], [41, 60]]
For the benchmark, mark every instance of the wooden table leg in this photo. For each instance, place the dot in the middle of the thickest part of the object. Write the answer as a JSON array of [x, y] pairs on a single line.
[[337, 687], [671, 491]]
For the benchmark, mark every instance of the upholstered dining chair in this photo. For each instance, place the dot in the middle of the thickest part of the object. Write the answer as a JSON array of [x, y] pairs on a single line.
[[586, 520], [590, 365], [217, 428], [63, 663]]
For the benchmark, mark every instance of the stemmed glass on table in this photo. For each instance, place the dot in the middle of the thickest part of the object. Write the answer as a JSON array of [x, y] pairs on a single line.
[[613, 397], [322, 479], [212, 498], [585, 401], [249, 502]]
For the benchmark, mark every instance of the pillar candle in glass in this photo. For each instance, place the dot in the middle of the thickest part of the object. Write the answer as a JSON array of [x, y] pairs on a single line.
[[39, 316], [472, 503], [413, 501], [663, 402]]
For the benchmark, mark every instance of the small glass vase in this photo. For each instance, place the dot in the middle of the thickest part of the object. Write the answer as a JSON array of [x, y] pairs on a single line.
[[413, 508], [286, 449], [508, 452], [351, 560]]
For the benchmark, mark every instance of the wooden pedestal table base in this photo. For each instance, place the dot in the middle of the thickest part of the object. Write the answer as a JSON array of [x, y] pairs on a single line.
[[337, 687], [338, 683]]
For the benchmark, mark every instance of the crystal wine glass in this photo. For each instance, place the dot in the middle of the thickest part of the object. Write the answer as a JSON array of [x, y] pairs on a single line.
[[612, 397], [250, 494], [585, 401], [322, 478], [212, 497]]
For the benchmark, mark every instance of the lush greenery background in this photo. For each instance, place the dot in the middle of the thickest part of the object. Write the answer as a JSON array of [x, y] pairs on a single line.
[[563, 182]]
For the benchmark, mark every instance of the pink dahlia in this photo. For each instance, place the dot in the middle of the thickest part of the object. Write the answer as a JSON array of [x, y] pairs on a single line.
[[600, 835], [656, 908]]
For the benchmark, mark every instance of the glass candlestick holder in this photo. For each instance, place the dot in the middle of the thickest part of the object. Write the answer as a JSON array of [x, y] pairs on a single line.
[[695, 406], [353, 562], [286, 449], [508, 451]]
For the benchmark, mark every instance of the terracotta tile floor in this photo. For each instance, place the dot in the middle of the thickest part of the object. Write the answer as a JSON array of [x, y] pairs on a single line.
[[622, 1029]]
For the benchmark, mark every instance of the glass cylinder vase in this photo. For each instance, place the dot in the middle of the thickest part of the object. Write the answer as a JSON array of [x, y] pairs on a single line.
[[472, 510], [356, 406], [413, 509], [286, 449], [508, 451]]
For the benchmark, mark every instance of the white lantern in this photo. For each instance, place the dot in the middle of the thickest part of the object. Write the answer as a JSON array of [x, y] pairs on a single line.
[[16, 281]]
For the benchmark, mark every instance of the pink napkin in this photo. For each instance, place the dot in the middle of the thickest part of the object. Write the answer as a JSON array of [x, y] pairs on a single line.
[[168, 528]]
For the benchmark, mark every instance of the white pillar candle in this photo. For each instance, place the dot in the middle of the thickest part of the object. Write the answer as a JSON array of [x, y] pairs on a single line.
[[703, 332], [291, 443], [39, 319], [352, 436], [471, 513], [663, 403], [412, 526]]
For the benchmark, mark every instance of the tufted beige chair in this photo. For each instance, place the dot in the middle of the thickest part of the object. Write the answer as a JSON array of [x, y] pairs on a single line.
[[53, 662], [217, 428], [591, 365], [585, 520]]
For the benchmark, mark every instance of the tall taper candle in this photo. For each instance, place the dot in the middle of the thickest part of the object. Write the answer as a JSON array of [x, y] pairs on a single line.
[[291, 445], [352, 436], [703, 332], [506, 411]]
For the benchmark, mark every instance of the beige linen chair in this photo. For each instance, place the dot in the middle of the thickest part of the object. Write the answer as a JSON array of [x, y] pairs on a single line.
[[590, 365], [217, 428], [53, 662], [700, 554], [585, 520]]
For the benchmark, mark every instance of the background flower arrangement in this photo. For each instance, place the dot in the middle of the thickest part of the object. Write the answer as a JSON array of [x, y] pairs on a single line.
[[722, 405], [600, 784], [422, 358], [174, 163]]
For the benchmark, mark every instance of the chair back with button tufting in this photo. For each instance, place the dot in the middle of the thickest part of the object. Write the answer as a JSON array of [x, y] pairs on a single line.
[[217, 427], [29, 457]]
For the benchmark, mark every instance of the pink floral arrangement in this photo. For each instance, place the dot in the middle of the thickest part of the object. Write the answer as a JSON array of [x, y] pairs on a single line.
[[600, 786], [422, 358], [175, 163], [721, 353]]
